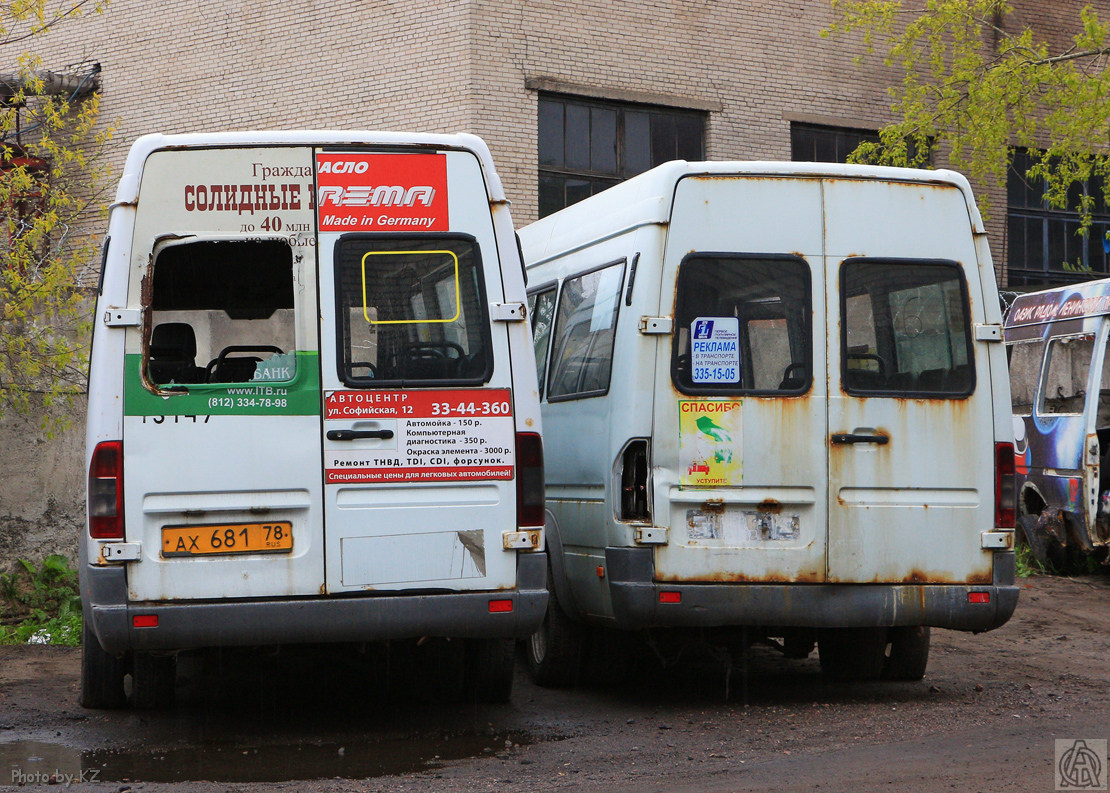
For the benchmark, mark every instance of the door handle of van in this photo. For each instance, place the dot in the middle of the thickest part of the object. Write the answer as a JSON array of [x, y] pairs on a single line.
[[848, 437], [352, 435]]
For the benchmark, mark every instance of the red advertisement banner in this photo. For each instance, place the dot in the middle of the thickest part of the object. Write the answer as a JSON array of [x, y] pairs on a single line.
[[359, 191]]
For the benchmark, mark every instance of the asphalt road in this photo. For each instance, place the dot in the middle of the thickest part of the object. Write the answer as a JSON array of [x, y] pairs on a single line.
[[985, 718]]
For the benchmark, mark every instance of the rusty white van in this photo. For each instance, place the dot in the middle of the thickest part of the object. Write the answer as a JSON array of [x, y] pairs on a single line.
[[1060, 385], [312, 408], [775, 403]]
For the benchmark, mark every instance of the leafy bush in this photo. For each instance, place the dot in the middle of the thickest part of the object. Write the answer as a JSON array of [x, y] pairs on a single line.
[[40, 604]]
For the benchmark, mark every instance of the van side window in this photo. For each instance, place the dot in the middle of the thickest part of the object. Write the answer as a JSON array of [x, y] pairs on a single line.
[[221, 312], [905, 329], [541, 308], [585, 325], [1025, 371], [1065, 374], [742, 325], [411, 311]]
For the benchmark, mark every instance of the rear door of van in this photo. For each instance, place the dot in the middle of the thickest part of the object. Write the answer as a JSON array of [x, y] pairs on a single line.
[[418, 429], [740, 447], [222, 391], [911, 458]]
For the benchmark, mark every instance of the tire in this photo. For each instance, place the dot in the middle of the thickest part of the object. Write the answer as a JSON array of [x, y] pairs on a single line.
[[1027, 534], [553, 653], [490, 664], [102, 674], [852, 653], [153, 680], [908, 654]]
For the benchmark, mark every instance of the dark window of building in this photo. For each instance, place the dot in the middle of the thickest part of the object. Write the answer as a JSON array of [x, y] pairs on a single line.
[[587, 145], [1044, 244], [814, 143]]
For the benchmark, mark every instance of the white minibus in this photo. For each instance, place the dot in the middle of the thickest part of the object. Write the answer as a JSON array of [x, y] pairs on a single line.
[[312, 407], [775, 399]]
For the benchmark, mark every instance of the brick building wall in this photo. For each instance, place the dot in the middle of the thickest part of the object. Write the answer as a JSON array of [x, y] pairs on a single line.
[[474, 65]]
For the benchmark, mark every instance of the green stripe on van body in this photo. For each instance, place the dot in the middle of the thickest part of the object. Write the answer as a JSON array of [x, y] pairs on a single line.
[[297, 397]]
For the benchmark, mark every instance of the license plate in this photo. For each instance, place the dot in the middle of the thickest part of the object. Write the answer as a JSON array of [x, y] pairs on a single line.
[[227, 538]]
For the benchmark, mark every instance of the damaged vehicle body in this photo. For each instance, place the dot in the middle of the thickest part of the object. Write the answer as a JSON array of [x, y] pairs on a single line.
[[312, 409], [769, 393], [1060, 384]]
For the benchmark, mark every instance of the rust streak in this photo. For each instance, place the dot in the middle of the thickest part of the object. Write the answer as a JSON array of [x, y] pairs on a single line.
[[770, 506]]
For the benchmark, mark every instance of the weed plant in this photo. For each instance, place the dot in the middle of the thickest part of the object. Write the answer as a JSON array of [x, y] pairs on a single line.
[[40, 604]]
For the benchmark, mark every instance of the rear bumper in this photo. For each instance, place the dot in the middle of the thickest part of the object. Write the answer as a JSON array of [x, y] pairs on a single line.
[[635, 599], [364, 618]]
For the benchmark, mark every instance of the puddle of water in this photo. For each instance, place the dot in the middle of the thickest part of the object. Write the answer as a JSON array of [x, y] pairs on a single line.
[[31, 762], [34, 763]]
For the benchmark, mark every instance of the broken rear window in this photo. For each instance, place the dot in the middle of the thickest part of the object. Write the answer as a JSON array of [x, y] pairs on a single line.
[[221, 312]]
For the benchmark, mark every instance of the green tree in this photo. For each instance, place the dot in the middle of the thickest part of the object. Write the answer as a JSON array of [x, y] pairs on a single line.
[[975, 85], [52, 176]]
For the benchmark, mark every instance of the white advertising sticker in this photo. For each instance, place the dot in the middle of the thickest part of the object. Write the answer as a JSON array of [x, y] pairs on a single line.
[[715, 350]]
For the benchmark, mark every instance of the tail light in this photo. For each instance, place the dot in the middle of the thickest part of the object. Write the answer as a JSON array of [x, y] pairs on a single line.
[[106, 491], [1005, 487], [529, 480]]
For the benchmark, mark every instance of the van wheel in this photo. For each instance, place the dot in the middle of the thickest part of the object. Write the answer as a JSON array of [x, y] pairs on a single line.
[[908, 654], [101, 674], [553, 652], [490, 664], [1026, 534], [852, 653], [153, 679]]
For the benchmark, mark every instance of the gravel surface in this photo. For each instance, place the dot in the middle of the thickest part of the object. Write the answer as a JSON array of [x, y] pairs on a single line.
[[984, 718]]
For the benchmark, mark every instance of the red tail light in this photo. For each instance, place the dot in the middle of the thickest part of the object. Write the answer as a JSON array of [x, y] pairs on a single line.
[[106, 491], [1005, 487], [529, 480]]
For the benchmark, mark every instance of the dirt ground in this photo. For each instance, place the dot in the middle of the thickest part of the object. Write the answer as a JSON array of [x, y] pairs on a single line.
[[984, 719]]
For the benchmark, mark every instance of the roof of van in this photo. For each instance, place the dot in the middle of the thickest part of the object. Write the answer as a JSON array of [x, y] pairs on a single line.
[[647, 198], [128, 189], [1090, 299]]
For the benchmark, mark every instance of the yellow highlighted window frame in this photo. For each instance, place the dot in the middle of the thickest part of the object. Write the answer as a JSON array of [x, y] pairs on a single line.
[[458, 291]]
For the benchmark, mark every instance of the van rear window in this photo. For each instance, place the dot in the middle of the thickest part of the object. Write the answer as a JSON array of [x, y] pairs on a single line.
[[905, 329], [411, 311], [221, 312], [1064, 388], [742, 325]]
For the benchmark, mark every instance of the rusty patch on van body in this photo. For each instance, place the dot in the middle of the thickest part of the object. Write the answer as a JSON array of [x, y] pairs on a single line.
[[918, 576], [714, 505], [731, 577], [770, 506]]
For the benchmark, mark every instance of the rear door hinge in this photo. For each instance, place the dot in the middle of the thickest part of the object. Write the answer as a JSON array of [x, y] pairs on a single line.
[[996, 540], [507, 312], [655, 325], [988, 332], [651, 535], [121, 552], [123, 317], [525, 540]]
